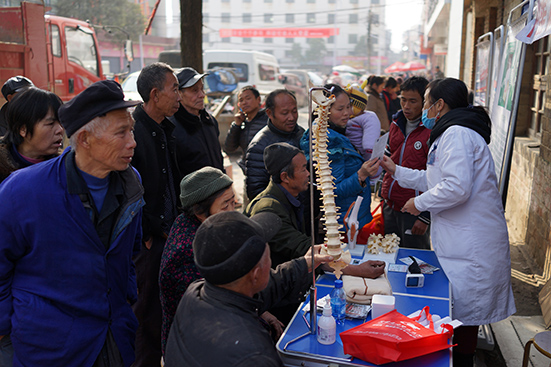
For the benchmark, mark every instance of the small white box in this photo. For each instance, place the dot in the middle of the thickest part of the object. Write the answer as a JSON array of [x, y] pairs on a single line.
[[381, 304]]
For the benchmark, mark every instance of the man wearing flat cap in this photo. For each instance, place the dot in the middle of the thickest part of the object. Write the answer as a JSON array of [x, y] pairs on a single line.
[[11, 87], [196, 131], [155, 160], [69, 228], [284, 197], [217, 321]]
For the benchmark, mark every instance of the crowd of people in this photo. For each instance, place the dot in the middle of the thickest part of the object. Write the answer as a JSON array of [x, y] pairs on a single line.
[[126, 247]]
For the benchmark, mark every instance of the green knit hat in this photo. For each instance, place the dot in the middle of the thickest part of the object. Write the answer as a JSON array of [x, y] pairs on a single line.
[[201, 184]]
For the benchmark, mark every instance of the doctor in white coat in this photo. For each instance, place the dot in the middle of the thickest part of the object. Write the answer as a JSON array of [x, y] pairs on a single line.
[[468, 230]]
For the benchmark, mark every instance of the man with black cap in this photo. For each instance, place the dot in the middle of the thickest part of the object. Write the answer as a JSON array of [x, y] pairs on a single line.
[[284, 196], [66, 270], [11, 87], [156, 161], [196, 131], [217, 321]]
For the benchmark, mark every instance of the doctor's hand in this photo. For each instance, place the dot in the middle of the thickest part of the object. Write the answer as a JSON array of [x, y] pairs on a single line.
[[409, 207], [388, 165], [419, 228]]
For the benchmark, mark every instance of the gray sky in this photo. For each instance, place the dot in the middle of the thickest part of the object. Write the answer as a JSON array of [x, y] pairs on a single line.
[[402, 15]]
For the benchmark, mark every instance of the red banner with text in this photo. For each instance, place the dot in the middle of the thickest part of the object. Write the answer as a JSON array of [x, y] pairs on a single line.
[[280, 32]]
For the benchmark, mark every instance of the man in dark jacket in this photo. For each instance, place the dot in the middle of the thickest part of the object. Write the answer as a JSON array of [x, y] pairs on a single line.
[[407, 146], [247, 124], [154, 159], [11, 87], [281, 108], [69, 227], [196, 131], [217, 321]]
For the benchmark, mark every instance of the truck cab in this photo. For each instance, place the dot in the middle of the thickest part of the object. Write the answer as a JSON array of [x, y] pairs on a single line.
[[58, 54], [74, 59]]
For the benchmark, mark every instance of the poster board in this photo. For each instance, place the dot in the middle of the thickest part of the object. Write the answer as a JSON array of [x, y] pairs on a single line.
[[498, 40], [505, 102], [483, 69]]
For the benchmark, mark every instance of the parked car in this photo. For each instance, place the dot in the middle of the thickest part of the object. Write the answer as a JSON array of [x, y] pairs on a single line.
[[292, 83], [305, 76], [130, 87]]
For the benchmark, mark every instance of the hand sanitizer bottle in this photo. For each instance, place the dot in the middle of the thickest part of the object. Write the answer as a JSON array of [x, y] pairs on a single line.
[[327, 327]]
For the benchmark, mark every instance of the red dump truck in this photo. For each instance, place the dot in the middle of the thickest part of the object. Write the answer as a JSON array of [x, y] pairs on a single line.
[[58, 54]]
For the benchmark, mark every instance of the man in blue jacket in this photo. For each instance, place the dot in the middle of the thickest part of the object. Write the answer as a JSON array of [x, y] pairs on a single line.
[[69, 228]]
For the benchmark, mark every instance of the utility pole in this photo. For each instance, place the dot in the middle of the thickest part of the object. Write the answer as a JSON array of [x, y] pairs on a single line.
[[368, 40]]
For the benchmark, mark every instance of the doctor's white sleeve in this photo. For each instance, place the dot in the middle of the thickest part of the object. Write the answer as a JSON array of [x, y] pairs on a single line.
[[411, 178], [455, 160]]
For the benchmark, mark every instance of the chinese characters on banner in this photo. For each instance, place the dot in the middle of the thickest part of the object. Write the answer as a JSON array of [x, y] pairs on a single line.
[[279, 32]]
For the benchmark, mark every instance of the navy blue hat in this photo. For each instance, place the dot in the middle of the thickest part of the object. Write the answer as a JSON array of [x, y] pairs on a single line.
[[228, 245], [96, 100], [187, 77], [16, 84]]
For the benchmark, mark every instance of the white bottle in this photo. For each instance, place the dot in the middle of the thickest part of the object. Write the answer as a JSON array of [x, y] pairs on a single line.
[[327, 327]]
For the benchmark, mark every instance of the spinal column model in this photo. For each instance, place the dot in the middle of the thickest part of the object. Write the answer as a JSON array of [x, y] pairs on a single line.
[[324, 179]]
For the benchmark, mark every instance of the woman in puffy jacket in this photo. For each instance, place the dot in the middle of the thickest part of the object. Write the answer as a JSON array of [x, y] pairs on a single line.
[[348, 167], [375, 85]]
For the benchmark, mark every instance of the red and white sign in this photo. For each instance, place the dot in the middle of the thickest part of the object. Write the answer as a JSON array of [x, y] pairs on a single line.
[[279, 32]]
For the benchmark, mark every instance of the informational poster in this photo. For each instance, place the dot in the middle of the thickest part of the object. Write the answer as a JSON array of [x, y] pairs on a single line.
[[538, 27], [503, 113], [482, 75], [496, 64]]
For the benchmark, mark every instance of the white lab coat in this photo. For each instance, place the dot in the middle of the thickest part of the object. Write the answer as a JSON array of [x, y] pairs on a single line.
[[468, 228]]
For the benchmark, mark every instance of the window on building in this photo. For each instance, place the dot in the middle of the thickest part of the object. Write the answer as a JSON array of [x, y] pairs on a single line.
[[271, 52], [375, 2], [310, 18], [268, 18], [353, 1], [247, 17], [226, 39], [375, 18], [332, 1], [245, 1], [310, 1], [353, 38], [539, 85], [225, 1], [268, 40], [290, 1], [205, 18], [268, 1], [205, 37], [289, 40], [331, 39], [329, 54], [288, 54], [353, 18], [246, 40], [289, 18], [330, 18], [225, 17]]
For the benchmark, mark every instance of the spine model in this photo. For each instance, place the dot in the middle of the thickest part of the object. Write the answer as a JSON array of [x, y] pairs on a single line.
[[325, 183]]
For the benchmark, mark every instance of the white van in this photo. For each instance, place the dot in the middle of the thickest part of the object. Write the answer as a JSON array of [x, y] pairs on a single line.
[[255, 68]]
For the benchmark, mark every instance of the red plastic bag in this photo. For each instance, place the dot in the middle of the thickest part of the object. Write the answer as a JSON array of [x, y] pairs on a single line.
[[393, 337], [376, 226]]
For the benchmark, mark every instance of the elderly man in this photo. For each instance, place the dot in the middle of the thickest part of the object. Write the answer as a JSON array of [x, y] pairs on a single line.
[[11, 87], [284, 197], [69, 227], [196, 131], [281, 108], [217, 321], [250, 119], [156, 162]]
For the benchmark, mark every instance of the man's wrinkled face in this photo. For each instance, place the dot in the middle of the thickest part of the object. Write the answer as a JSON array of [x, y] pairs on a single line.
[[193, 98], [285, 113]]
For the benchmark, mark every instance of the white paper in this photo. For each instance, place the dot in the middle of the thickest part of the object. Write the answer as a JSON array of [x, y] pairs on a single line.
[[379, 147]]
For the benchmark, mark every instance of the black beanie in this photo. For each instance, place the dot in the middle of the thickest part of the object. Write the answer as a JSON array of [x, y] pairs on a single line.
[[228, 245], [278, 156]]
